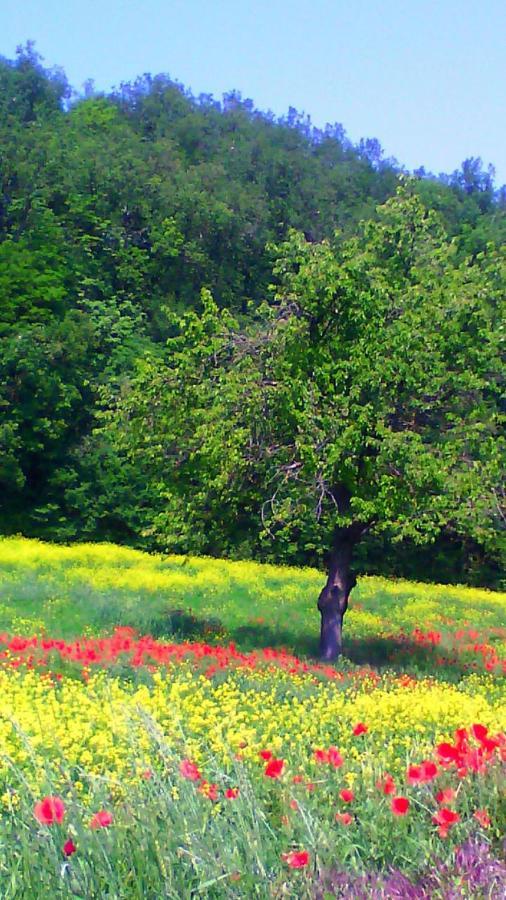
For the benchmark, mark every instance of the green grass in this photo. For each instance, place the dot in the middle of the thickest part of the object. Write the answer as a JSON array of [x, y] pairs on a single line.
[[87, 588]]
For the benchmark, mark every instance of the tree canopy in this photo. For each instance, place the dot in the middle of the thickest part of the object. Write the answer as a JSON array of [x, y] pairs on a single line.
[[366, 395], [134, 221]]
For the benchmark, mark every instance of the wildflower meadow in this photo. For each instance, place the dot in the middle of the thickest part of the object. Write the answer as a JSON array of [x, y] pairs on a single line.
[[167, 731]]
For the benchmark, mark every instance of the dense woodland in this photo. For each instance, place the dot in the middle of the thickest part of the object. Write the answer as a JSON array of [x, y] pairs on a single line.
[[124, 217]]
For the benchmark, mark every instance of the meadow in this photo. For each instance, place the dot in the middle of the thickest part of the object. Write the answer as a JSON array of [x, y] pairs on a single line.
[[167, 731]]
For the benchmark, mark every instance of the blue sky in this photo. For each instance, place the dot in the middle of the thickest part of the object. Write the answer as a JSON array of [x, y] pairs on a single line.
[[428, 79]]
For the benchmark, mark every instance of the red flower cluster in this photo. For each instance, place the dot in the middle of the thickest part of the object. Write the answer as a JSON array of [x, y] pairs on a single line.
[[147, 651], [127, 646], [423, 773], [468, 755], [331, 756], [465, 646], [51, 810], [188, 770]]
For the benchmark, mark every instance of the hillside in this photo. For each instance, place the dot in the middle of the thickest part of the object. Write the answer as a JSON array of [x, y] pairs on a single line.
[[115, 211]]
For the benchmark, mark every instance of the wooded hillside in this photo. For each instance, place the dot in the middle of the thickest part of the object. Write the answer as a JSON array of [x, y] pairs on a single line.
[[116, 211]]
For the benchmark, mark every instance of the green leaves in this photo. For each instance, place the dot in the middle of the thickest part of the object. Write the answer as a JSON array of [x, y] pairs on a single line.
[[32, 271], [127, 222], [366, 392]]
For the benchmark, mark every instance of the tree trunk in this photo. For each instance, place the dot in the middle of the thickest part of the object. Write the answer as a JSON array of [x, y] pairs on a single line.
[[333, 600]]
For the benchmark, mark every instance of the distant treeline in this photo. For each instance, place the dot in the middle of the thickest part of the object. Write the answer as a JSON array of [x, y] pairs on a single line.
[[115, 211]]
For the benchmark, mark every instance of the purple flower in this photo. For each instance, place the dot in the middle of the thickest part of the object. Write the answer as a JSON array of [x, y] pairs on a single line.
[[480, 874]]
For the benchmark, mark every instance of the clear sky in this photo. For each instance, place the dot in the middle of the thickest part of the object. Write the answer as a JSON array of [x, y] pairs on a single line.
[[425, 77]]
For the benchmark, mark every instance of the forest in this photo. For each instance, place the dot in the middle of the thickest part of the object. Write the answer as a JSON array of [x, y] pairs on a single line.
[[199, 301]]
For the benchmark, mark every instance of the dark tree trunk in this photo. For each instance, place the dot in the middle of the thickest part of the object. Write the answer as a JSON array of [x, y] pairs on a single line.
[[333, 600]]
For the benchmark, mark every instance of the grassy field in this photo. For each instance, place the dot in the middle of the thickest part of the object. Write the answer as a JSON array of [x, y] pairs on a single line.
[[180, 700]]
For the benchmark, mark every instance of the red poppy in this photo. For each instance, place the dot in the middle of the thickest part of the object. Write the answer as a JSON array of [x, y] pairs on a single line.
[[296, 860], [426, 771], [189, 770], [265, 754], [475, 760], [461, 738], [232, 793], [429, 770], [69, 847], [399, 806], [483, 818], [102, 819], [293, 804], [414, 774], [209, 790], [298, 779], [445, 818], [344, 818], [274, 768], [386, 785], [360, 728], [447, 795], [447, 752], [479, 731], [321, 756], [346, 795], [335, 758], [49, 810], [489, 744]]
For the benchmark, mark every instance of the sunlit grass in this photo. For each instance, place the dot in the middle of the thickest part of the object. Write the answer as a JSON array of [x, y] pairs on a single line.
[[90, 587]]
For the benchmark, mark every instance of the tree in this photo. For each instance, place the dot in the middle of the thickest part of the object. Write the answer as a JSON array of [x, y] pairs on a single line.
[[28, 91], [93, 264], [364, 397]]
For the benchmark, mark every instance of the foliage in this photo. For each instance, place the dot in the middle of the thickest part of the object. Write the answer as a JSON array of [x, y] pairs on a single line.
[[115, 212], [366, 395]]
